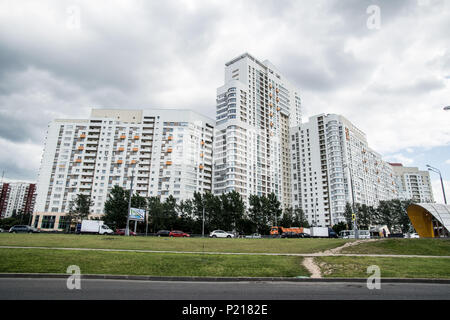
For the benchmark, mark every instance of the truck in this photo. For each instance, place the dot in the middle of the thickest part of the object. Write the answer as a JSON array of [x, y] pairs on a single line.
[[322, 232], [278, 231], [93, 226]]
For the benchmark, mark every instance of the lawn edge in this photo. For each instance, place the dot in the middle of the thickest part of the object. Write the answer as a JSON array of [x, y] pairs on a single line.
[[215, 279]]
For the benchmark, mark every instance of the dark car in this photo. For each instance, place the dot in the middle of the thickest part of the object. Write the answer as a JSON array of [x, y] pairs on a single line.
[[24, 229], [304, 235], [289, 234], [121, 232], [163, 233], [177, 233]]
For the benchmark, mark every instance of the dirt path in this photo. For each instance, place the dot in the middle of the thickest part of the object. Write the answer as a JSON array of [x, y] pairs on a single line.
[[313, 268]]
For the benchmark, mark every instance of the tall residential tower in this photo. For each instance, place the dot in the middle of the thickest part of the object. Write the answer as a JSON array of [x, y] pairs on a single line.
[[255, 108]]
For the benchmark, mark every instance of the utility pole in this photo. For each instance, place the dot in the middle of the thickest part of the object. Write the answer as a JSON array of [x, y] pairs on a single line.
[[127, 230]]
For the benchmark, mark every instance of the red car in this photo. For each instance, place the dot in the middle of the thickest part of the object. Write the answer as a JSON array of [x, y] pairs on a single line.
[[177, 233], [121, 232]]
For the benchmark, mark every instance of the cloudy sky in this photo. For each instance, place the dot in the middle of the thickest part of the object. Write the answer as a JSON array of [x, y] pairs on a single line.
[[385, 65]]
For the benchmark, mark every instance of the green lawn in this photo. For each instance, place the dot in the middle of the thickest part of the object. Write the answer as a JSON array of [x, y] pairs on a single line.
[[153, 264], [171, 244], [431, 247], [356, 267]]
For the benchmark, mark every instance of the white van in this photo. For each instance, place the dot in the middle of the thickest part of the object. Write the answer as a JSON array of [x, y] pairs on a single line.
[[350, 234]]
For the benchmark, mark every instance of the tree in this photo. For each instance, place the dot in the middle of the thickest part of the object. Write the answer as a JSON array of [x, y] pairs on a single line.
[[232, 210], [339, 227], [348, 215], [79, 209], [156, 214], [116, 208], [256, 213], [273, 208], [287, 219], [300, 218]]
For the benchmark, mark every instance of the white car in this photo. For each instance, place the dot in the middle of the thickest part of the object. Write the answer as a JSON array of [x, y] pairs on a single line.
[[253, 236], [221, 234], [411, 235]]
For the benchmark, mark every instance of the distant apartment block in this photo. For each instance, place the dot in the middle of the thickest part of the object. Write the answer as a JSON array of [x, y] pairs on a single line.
[[17, 197], [332, 164], [412, 183], [168, 151], [255, 108]]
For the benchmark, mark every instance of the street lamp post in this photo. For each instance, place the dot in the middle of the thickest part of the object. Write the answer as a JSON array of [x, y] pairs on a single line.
[[127, 229], [430, 168], [203, 222], [355, 227]]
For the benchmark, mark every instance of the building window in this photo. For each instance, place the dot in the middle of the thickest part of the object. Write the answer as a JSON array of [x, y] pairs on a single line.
[[48, 222]]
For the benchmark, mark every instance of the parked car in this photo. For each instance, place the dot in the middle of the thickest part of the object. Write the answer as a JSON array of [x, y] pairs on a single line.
[[121, 232], [304, 235], [24, 229], [2, 230], [290, 234], [411, 235], [221, 234], [177, 233], [253, 236], [163, 233]]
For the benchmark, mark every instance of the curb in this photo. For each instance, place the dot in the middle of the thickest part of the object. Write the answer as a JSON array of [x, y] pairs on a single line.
[[214, 279]]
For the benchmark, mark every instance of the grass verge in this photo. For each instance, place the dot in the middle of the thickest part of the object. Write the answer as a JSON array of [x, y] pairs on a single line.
[[171, 244], [356, 267], [153, 264], [431, 247]]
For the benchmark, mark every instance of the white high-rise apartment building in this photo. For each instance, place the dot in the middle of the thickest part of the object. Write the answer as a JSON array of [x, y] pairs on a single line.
[[412, 183], [332, 164], [255, 108], [17, 197], [169, 152]]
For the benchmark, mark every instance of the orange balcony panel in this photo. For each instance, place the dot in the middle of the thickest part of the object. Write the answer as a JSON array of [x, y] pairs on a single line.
[[121, 149], [278, 108], [80, 148], [200, 166], [136, 137], [270, 95], [202, 143], [270, 85], [170, 138], [278, 100], [271, 124], [168, 163], [271, 114], [119, 161], [270, 104], [122, 137], [169, 150], [135, 149], [133, 161], [82, 136], [201, 154], [277, 90], [78, 160]]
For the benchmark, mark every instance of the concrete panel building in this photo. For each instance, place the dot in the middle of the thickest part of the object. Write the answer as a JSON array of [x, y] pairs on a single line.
[[332, 164], [412, 183], [169, 152], [17, 197]]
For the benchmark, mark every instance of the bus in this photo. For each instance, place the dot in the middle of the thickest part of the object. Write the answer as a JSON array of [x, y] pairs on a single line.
[[350, 234]]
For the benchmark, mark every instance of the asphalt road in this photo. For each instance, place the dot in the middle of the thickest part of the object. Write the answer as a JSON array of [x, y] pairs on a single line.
[[50, 289]]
